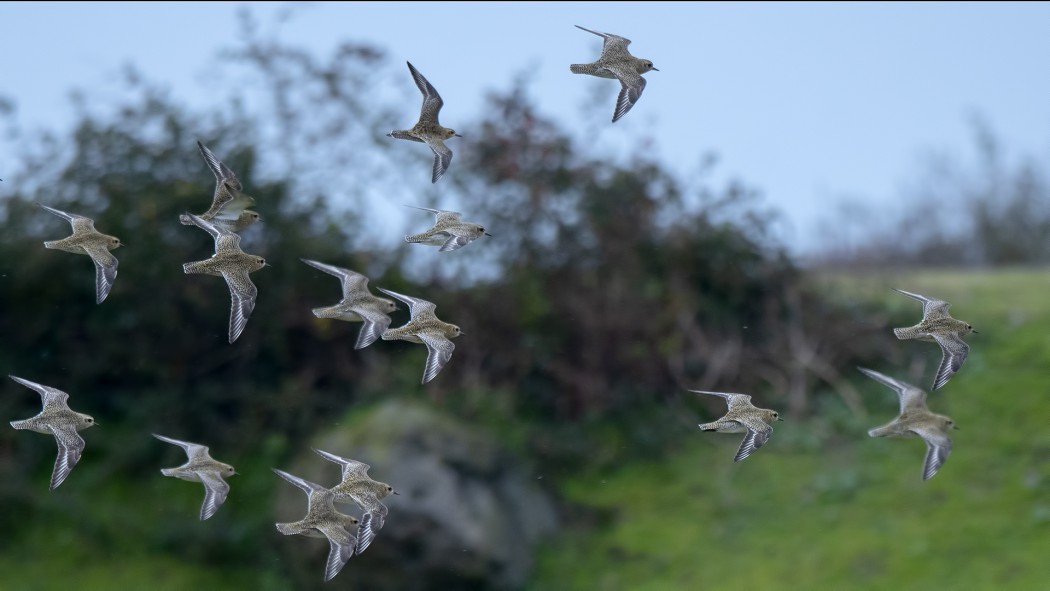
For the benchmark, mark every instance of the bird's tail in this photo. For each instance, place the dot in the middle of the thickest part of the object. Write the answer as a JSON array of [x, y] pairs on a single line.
[[708, 427], [20, 424], [50, 244], [416, 238], [583, 69], [185, 220], [196, 267], [882, 431], [326, 312], [906, 333], [289, 529]]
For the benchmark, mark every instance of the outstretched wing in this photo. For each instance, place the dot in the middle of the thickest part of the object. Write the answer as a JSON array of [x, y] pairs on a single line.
[[631, 87], [225, 179], [613, 45], [340, 549], [194, 451], [432, 102], [351, 281], [954, 351], [757, 435], [442, 216], [215, 491], [931, 307], [375, 323], [225, 240], [455, 242], [242, 300], [439, 351], [105, 269], [442, 158], [416, 306], [306, 486], [732, 400], [70, 446], [78, 222], [49, 397], [938, 446], [351, 468], [911, 398]]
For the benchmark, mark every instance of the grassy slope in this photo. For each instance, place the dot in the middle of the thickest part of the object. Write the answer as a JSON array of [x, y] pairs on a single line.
[[852, 512]]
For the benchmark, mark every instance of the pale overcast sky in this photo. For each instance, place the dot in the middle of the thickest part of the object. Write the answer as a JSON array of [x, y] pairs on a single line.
[[805, 101]]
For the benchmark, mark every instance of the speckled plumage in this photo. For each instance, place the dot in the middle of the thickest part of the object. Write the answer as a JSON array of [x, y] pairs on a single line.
[[743, 417], [59, 420], [425, 327], [229, 207], [87, 240], [915, 419], [234, 265], [616, 62], [939, 327], [450, 232], [427, 129], [323, 521], [357, 487], [201, 467], [357, 305]]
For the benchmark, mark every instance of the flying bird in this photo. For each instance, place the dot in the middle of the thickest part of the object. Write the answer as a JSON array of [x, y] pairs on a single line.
[[234, 265], [743, 417], [323, 521], [425, 327], [939, 327], [229, 207], [616, 62], [358, 304], [915, 419], [201, 467], [449, 232], [427, 130], [57, 419], [359, 488], [87, 240]]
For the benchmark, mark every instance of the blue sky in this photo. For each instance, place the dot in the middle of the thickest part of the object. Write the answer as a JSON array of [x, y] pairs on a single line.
[[805, 101]]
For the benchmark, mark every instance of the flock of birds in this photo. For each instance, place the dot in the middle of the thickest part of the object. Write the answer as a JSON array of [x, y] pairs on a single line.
[[915, 418], [229, 214]]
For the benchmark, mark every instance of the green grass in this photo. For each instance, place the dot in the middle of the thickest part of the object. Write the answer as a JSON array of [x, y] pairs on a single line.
[[853, 512]]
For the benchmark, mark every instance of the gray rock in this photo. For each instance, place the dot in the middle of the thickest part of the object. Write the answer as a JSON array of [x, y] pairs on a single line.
[[468, 515]]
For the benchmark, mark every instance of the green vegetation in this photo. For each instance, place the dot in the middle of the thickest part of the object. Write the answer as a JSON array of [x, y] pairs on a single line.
[[853, 513]]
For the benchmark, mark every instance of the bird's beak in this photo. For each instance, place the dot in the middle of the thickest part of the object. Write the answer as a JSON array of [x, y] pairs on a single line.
[[780, 419], [457, 135], [487, 234], [656, 69], [973, 331], [956, 427], [397, 493]]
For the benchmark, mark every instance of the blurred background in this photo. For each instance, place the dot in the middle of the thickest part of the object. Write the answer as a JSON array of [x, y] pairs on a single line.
[[739, 230]]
